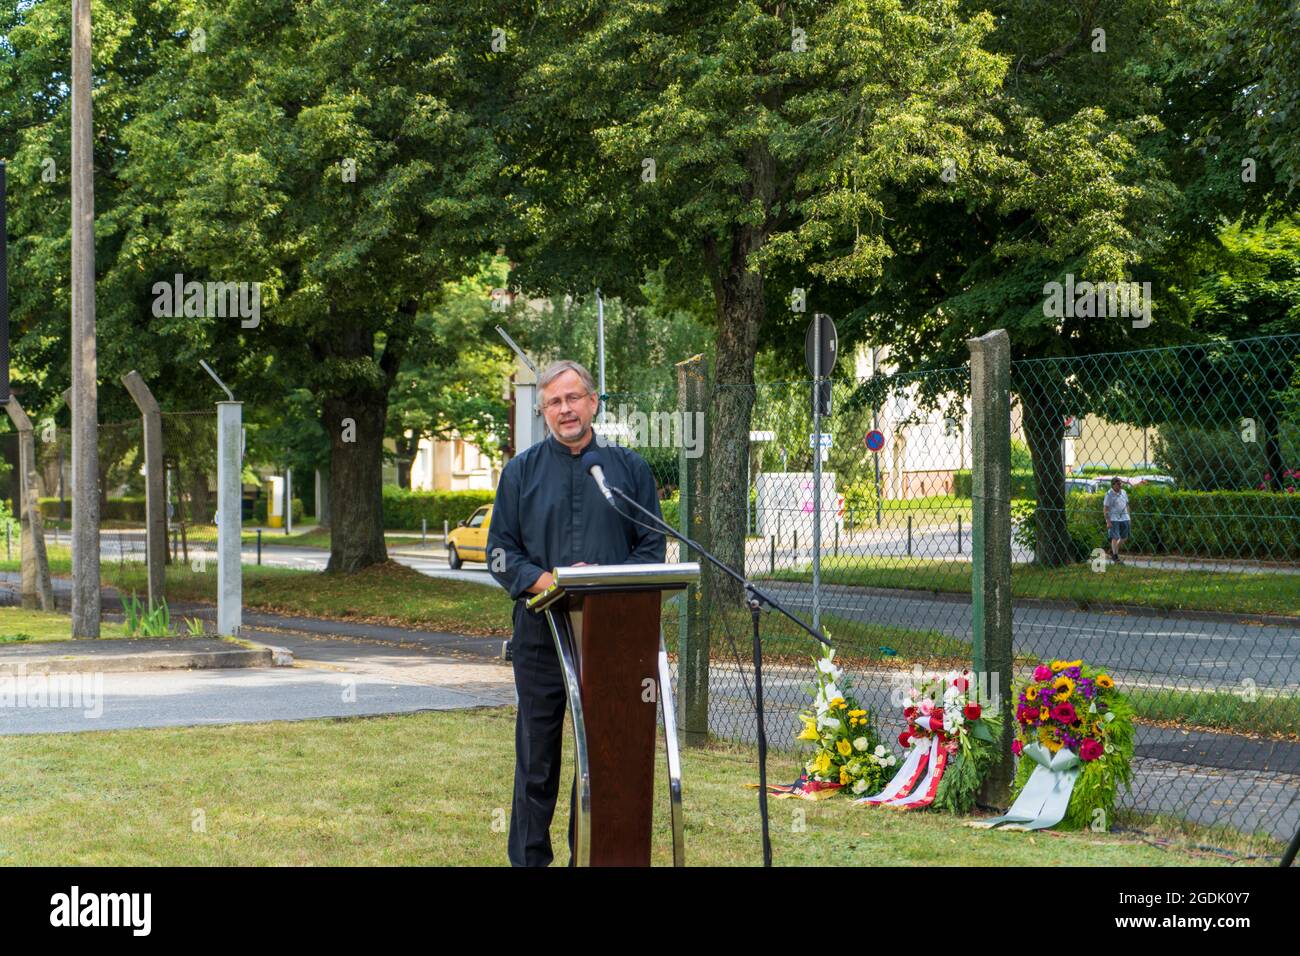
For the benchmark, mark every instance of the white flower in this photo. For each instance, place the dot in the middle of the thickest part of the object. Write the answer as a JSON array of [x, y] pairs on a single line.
[[828, 723], [880, 750], [952, 693], [826, 664], [859, 786], [890, 760], [861, 744]]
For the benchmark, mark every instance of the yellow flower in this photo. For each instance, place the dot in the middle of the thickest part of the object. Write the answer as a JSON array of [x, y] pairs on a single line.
[[822, 762], [809, 728], [857, 713], [1097, 729], [1104, 681], [1043, 713], [1049, 739], [1058, 666], [1031, 693], [1078, 663], [837, 702], [1064, 687], [844, 747], [844, 776]]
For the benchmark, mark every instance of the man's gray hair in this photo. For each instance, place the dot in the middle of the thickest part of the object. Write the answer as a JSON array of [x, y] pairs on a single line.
[[556, 369]]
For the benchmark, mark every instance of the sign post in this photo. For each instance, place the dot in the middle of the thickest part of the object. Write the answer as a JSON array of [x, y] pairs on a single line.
[[820, 343]]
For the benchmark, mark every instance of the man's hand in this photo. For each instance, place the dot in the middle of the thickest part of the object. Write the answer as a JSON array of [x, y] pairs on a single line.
[[544, 581]]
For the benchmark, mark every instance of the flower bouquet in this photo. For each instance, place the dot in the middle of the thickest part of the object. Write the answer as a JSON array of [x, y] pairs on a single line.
[[1074, 736], [951, 740], [846, 753]]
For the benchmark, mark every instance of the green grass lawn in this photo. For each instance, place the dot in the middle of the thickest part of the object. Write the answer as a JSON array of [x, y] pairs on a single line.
[[1123, 584], [20, 626], [433, 789], [925, 512], [387, 593]]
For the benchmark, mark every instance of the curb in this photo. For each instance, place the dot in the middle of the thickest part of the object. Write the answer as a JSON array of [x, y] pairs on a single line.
[[250, 655]]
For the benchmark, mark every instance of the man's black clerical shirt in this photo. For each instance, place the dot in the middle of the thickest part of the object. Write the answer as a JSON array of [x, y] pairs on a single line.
[[549, 513]]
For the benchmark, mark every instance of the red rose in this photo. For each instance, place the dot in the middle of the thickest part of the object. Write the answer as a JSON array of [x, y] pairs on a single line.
[[961, 683], [972, 711], [909, 712], [904, 738]]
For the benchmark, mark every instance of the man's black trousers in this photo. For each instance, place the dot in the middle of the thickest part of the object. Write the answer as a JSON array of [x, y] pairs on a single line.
[[539, 730]]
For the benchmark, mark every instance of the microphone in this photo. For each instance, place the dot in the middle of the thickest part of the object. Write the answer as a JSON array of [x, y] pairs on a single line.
[[591, 462]]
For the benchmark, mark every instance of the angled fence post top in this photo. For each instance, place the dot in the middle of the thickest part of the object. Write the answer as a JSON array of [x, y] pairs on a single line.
[[17, 415], [140, 393]]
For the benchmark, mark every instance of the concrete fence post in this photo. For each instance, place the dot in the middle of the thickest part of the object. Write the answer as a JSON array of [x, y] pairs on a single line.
[[155, 537], [991, 541], [230, 587], [693, 619], [36, 585]]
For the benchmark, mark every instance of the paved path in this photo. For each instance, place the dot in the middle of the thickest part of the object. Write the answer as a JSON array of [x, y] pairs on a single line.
[[386, 671]]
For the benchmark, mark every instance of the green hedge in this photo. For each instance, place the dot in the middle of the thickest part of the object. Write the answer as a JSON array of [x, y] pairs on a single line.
[[117, 509], [403, 508], [1255, 525], [259, 511]]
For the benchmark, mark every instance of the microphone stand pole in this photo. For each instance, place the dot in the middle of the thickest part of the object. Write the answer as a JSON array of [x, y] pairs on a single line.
[[755, 600]]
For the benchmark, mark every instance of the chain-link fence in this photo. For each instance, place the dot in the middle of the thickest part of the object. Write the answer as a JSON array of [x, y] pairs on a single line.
[[189, 459], [1157, 534], [1199, 619]]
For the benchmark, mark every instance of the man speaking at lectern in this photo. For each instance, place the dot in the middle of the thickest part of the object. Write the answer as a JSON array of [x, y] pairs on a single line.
[[550, 513]]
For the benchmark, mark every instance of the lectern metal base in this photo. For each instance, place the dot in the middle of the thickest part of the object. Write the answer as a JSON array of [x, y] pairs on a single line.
[[566, 649]]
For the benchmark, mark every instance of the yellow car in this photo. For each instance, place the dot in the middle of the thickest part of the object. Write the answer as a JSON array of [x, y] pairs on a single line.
[[469, 541]]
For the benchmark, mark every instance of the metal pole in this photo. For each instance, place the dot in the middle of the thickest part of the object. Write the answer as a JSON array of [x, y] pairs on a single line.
[[259, 546], [817, 473], [600, 346], [424, 532], [909, 536], [288, 500], [772, 562], [85, 464], [959, 534]]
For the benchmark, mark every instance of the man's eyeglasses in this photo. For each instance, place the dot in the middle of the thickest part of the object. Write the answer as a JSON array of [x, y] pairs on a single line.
[[555, 403]]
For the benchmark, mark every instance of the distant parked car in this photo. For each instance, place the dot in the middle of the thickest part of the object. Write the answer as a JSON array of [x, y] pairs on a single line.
[[1082, 485], [469, 541]]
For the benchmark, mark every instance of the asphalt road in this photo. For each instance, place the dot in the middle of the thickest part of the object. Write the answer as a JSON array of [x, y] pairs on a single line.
[[1181, 650]]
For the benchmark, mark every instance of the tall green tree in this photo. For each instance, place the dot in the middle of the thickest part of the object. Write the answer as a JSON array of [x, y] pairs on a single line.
[[718, 140], [1097, 177], [454, 376], [328, 153]]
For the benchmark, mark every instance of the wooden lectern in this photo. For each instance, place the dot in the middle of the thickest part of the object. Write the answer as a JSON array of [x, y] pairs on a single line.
[[605, 622]]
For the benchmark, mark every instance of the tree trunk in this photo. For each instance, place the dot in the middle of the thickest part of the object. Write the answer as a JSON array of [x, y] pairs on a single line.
[[406, 450], [1044, 427], [356, 479], [738, 294], [740, 311]]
